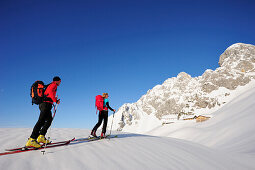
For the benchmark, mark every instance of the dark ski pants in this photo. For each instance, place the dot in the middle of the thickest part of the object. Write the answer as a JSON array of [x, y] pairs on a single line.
[[44, 120], [103, 115]]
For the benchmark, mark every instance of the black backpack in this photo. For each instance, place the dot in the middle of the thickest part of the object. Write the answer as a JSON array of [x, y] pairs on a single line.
[[37, 92]]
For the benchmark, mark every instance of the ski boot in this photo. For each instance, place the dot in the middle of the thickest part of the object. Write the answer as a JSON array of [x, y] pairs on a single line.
[[102, 136], [42, 139], [93, 134], [32, 143]]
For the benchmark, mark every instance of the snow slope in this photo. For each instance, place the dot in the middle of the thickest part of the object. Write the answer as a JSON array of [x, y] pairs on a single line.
[[231, 129], [128, 151]]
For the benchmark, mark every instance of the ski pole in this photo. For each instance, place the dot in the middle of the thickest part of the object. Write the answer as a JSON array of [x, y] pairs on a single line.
[[54, 113], [111, 126], [55, 110]]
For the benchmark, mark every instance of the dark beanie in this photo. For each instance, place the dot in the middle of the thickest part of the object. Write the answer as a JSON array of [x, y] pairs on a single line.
[[56, 78]]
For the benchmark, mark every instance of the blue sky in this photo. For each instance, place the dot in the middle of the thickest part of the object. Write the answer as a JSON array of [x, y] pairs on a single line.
[[121, 47]]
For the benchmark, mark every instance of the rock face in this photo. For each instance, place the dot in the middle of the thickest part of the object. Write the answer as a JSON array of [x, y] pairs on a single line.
[[184, 95]]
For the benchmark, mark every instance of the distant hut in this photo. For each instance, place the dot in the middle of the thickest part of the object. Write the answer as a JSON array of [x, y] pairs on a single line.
[[202, 118], [191, 118], [198, 118]]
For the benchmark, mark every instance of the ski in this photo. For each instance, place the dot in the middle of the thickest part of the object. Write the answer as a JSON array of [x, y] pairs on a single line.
[[87, 139], [99, 138], [24, 149], [92, 139], [107, 137], [52, 143]]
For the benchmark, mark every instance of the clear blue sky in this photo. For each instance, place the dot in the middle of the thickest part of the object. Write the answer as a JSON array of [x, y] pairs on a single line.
[[121, 47]]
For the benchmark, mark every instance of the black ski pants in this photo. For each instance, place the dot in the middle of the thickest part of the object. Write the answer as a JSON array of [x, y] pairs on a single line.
[[103, 115], [44, 120]]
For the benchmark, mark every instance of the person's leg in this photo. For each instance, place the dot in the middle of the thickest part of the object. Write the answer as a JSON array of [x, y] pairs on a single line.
[[100, 118], [105, 117], [48, 119], [40, 121]]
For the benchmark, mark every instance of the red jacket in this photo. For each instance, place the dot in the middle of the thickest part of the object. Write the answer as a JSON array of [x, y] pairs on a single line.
[[50, 93]]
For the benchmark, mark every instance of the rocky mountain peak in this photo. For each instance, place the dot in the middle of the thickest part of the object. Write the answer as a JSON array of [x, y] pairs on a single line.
[[239, 56]]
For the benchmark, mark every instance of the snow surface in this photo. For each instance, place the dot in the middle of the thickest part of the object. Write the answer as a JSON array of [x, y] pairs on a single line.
[[231, 128], [226, 141], [128, 151]]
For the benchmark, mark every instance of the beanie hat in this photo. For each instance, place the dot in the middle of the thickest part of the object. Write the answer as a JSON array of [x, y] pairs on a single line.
[[56, 78]]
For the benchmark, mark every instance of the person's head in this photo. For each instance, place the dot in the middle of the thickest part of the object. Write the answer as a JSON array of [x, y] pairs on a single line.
[[105, 95], [57, 80]]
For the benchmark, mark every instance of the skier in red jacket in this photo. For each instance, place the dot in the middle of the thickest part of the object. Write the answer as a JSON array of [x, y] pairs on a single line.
[[45, 118]]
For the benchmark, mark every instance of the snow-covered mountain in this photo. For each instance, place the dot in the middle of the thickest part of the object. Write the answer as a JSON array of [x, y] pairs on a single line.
[[185, 96]]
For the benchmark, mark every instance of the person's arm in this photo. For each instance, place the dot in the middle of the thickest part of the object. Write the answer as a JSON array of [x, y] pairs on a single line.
[[107, 105]]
